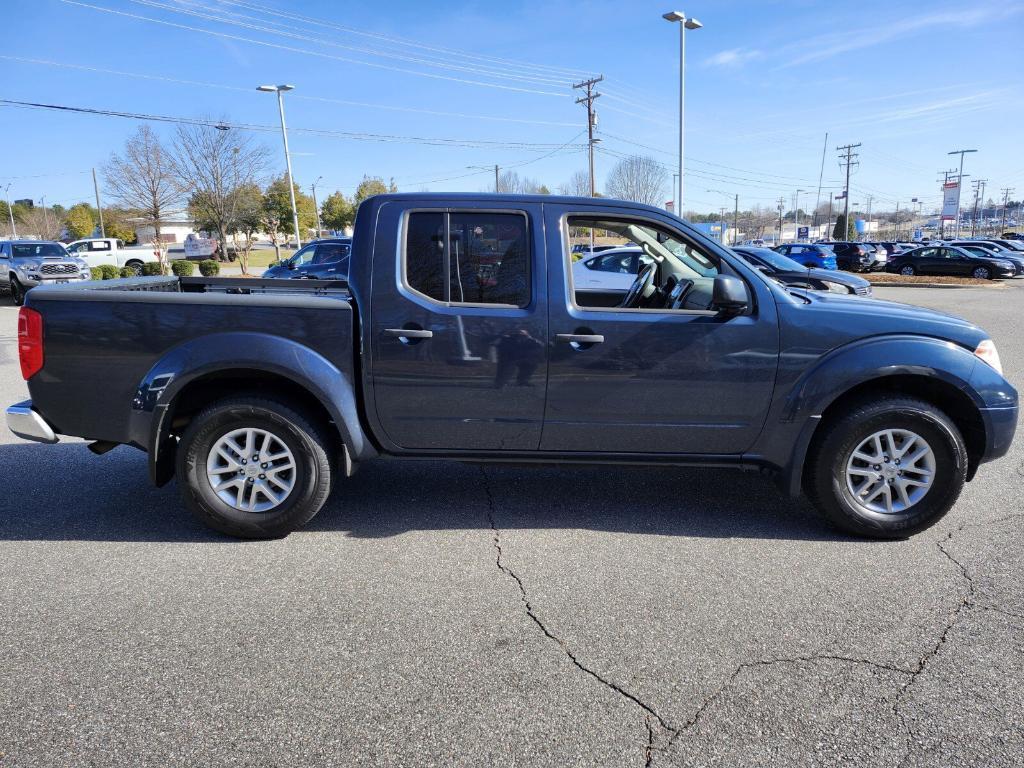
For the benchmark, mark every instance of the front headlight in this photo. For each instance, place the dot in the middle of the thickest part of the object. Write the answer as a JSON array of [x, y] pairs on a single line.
[[836, 288], [986, 350]]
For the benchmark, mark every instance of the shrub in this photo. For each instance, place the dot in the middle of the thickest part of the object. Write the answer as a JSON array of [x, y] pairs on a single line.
[[153, 268], [209, 268], [109, 272], [127, 272], [183, 268], [95, 273]]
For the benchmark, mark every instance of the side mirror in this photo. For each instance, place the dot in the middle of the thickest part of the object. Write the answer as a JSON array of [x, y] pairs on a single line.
[[729, 295], [291, 264]]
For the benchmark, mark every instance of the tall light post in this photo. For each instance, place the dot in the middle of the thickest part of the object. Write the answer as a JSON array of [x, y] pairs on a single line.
[[796, 214], [280, 91], [959, 184], [316, 206], [684, 24]]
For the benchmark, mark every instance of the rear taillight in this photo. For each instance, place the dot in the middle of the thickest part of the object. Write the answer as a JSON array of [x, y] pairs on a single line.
[[30, 342]]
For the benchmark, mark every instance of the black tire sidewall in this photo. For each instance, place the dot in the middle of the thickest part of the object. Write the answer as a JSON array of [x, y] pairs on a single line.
[[310, 473], [17, 292], [950, 470]]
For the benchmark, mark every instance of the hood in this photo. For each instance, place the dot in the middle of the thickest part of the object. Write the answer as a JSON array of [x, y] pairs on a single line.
[[844, 318]]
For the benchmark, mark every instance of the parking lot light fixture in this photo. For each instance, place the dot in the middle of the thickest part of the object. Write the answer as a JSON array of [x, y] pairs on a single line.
[[959, 186], [684, 24], [280, 90]]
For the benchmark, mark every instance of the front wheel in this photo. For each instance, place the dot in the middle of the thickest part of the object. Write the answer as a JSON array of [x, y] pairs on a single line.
[[17, 292], [254, 467], [887, 468], [982, 273], [907, 270]]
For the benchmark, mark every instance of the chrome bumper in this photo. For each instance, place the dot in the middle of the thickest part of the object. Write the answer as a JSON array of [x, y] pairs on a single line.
[[26, 423]]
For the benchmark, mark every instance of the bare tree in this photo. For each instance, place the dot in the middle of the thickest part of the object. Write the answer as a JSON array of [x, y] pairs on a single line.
[[638, 178], [143, 180], [44, 223], [511, 182], [211, 165], [577, 186]]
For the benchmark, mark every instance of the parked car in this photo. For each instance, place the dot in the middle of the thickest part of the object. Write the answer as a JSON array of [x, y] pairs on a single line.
[[615, 268], [325, 259], [1013, 245], [950, 260], [891, 248], [810, 255], [96, 251], [853, 257], [796, 275], [1013, 236], [879, 256], [459, 335], [989, 249], [25, 264]]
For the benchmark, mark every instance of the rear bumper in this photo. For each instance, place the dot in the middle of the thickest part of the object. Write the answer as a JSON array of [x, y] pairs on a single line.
[[26, 423]]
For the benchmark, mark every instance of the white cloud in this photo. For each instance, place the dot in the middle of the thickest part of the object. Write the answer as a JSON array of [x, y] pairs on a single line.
[[734, 57]]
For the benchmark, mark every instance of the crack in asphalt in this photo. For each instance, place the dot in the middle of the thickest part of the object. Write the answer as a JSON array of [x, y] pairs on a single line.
[[649, 711], [966, 602]]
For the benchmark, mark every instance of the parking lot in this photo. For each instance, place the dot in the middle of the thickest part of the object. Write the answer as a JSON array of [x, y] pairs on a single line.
[[441, 614]]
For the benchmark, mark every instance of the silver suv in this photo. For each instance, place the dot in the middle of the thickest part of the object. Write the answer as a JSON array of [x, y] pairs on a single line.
[[25, 264]]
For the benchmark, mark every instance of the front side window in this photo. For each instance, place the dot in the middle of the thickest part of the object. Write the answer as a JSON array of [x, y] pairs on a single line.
[[304, 256], [487, 259]]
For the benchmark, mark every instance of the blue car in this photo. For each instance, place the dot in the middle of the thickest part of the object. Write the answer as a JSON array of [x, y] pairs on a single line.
[[811, 255], [325, 259]]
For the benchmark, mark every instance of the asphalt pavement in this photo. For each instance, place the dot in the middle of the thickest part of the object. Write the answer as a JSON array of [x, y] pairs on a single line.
[[436, 614]]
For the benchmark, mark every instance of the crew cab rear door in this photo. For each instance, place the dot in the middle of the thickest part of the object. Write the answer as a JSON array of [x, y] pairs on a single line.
[[654, 380], [458, 326]]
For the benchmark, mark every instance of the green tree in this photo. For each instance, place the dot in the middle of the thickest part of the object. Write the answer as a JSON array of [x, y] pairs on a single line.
[[844, 230], [248, 221], [373, 185], [116, 223], [80, 221], [337, 212], [277, 206]]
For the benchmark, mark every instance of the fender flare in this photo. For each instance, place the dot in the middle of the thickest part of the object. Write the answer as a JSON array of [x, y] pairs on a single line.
[[872, 359], [227, 351]]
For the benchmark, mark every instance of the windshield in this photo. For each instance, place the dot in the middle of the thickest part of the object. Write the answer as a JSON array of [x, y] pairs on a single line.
[[38, 250], [777, 261]]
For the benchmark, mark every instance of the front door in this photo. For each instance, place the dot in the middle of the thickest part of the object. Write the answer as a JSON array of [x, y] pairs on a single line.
[[458, 327], [330, 261], [655, 380]]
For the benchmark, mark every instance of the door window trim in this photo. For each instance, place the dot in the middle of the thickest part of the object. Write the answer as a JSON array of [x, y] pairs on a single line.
[[446, 212], [570, 286]]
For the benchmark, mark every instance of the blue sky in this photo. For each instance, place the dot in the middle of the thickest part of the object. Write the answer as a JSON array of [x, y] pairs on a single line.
[[765, 81]]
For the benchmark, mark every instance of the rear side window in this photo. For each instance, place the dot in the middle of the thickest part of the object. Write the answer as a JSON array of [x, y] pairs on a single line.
[[486, 261]]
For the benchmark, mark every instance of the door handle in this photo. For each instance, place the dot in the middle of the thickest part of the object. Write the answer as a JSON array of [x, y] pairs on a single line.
[[409, 333], [580, 338]]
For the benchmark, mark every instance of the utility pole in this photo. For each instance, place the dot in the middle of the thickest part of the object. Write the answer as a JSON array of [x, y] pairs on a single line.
[[736, 220], [496, 183], [796, 214], [10, 211], [974, 214], [847, 162], [983, 183], [828, 222], [96, 189], [1006, 199], [588, 101], [316, 206], [896, 227], [782, 205], [870, 198]]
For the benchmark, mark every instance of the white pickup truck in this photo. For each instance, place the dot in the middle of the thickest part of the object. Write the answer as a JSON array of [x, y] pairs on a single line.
[[96, 251]]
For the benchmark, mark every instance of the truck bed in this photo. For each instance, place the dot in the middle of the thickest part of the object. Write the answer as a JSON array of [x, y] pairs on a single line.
[[103, 338]]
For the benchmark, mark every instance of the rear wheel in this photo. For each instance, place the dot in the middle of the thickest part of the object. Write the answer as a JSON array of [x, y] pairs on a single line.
[[887, 468], [17, 292], [135, 267], [907, 270], [254, 467]]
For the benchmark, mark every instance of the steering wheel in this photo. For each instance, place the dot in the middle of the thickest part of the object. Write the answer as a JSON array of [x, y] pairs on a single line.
[[640, 287], [678, 295]]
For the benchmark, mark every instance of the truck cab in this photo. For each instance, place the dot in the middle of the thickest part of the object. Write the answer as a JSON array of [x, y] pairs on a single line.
[[96, 251]]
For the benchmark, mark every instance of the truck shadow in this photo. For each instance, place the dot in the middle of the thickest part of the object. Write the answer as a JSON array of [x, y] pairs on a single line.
[[66, 493]]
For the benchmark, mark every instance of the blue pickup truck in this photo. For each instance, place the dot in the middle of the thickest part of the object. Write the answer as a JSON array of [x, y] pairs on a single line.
[[460, 335]]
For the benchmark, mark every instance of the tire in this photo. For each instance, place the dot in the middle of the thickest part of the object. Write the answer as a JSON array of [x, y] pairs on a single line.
[[829, 486], [982, 273], [908, 270], [134, 266], [292, 430], [17, 292]]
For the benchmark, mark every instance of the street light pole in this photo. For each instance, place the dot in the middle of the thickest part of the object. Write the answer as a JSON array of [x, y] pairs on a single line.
[[684, 24], [319, 231], [959, 185], [10, 211], [280, 91]]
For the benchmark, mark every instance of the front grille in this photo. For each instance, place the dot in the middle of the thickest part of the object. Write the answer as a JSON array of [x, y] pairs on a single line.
[[59, 269]]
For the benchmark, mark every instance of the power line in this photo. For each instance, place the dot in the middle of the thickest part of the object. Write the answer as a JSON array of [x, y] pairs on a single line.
[[588, 101], [319, 54], [358, 136]]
